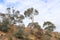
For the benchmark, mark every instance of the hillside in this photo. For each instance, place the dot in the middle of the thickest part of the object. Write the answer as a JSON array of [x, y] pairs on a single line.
[[32, 34]]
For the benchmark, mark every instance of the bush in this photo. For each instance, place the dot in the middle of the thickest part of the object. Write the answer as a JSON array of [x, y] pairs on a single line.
[[4, 28], [3, 25], [19, 34], [5, 22]]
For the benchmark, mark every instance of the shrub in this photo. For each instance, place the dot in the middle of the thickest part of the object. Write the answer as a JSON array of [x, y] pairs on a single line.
[[3, 25], [5, 22], [4, 28], [19, 33]]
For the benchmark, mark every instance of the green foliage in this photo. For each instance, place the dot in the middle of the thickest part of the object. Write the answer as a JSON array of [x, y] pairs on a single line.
[[50, 26], [34, 25], [21, 17], [19, 33], [8, 9], [17, 12], [5, 22], [30, 11], [47, 36], [4, 28]]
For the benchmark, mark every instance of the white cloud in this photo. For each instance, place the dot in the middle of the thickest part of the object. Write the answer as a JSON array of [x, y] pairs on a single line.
[[2, 8], [11, 1]]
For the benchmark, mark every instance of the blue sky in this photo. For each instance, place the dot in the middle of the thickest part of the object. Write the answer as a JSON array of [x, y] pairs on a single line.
[[49, 10]]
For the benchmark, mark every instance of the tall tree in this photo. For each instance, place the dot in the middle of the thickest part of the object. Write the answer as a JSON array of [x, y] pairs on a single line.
[[16, 13], [8, 11], [49, 27], [8, 14], [18, 18], [30, 12], [14, 16]]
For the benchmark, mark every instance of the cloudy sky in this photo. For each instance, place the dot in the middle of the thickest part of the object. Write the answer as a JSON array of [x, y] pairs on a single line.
[[49, 10]]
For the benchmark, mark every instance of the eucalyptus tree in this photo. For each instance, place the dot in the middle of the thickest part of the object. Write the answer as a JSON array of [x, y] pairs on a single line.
[[10, 16], [8, 11], [14, 16], [20, 27], [21, 17], [30, 12], [17, 17], [49, 27], [7, 15], [20, 22]]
